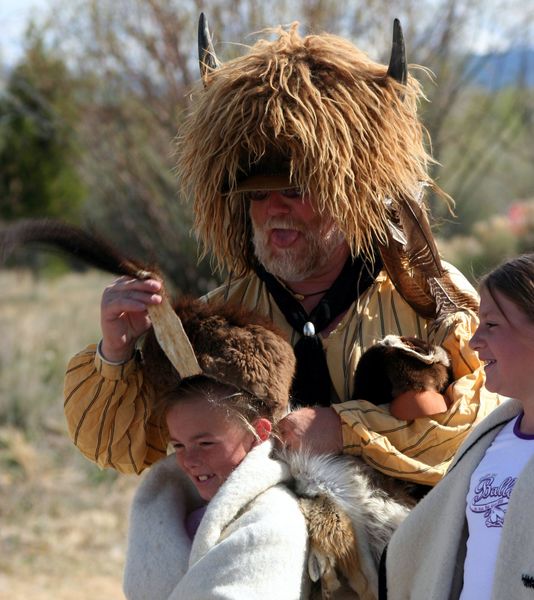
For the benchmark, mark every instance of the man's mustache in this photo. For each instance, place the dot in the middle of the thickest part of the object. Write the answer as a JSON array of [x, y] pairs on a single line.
[[283, 223]]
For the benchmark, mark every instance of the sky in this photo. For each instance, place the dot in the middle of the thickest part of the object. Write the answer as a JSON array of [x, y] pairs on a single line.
[[14, 16]]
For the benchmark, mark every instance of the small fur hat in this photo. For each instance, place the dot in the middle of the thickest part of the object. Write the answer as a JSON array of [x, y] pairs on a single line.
[[232, 346], [397, 364]]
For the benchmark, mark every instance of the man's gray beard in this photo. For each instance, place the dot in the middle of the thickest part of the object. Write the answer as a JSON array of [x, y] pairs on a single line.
[[297, 265]]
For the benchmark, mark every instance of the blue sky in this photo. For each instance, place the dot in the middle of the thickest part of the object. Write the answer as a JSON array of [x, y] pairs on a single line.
[[14, 15]]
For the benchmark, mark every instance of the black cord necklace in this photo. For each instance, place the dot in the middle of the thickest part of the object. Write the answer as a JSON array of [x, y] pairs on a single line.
[[312, 384], [300, 296]]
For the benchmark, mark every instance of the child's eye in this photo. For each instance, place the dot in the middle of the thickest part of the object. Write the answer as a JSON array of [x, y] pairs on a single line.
[[207, 443], [177, 446]]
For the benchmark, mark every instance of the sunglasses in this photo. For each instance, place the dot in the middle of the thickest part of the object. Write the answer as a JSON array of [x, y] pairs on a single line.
[[258, 195]]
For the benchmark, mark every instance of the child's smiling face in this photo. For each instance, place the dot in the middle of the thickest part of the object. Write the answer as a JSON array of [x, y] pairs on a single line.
[[504, 341], [209, 444]]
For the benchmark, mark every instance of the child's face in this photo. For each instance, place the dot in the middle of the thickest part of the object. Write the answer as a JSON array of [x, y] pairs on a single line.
[[208, 443], [506, 345]]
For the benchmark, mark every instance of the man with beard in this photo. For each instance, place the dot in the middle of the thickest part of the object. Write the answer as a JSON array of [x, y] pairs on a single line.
[[307, 165]]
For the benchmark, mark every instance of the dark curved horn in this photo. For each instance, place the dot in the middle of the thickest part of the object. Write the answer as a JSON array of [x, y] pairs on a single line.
[[397, 63], [206, 54]]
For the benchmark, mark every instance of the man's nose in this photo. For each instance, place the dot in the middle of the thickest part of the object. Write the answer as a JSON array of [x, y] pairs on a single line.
[[278, 205]]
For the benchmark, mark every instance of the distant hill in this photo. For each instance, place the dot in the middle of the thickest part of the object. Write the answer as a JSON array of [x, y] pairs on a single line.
[[497, 70]]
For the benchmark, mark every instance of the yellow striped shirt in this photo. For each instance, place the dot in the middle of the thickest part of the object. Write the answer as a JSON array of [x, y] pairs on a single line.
[[108, 407]]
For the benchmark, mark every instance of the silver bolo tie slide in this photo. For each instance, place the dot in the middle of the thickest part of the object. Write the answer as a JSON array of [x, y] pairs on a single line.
[[308, 329]]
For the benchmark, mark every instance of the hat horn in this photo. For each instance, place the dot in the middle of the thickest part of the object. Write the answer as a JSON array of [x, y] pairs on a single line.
[[206, 54], [397, 63]]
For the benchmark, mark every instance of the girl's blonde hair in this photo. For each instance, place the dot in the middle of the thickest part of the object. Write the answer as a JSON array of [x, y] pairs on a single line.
[[238, 404]]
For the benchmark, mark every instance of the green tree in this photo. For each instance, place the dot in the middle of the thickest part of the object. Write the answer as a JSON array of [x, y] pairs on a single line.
[[38, 150]]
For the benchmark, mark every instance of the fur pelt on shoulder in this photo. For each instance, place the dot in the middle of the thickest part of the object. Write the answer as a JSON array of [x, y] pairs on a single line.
[[351, 512]]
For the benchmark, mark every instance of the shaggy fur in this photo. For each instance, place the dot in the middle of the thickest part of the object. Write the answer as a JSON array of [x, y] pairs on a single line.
[[349, 131], [351, 511]]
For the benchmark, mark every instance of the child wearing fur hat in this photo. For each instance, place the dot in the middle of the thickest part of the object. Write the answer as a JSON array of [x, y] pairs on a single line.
[[222, 521], [226, 523]]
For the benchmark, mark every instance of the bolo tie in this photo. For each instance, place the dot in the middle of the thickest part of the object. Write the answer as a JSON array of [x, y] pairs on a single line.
[[312, 384]]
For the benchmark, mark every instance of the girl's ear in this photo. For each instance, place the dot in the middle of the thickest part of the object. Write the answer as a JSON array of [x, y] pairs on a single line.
[[263, 428]]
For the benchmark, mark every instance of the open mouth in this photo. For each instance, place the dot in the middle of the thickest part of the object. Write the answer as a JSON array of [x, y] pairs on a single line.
[[283, 238], [204, 478]]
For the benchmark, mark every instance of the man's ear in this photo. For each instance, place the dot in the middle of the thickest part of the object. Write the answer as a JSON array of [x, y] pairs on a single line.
[[263, 428]]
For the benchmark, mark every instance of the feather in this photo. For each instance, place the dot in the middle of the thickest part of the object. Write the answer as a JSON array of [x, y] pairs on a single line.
[[420, 248], [396, 233], [409, 283], [415, 265], [449, 298]]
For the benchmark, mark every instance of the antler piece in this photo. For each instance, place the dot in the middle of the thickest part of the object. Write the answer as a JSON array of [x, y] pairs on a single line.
[[173, 339]]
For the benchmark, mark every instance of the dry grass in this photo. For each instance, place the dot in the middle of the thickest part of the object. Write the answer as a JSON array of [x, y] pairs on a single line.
[[62, 520]]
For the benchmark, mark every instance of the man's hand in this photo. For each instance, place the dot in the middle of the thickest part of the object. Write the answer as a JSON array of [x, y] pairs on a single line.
[[317, 429], [124, 317]]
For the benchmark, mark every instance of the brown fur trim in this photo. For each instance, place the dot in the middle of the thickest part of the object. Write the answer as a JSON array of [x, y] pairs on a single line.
[[351, 133], [330, 530], [234, 347]]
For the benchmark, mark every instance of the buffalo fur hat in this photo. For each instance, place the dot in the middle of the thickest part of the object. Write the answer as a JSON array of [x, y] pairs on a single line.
[[233, 347], [341, 126]]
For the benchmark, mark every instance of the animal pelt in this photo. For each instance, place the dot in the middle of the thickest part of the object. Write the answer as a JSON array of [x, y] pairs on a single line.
[[351, 512], [397, 364], [232, 346]]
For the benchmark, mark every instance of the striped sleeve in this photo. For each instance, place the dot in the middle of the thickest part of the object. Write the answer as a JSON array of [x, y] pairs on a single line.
[[108, 415]]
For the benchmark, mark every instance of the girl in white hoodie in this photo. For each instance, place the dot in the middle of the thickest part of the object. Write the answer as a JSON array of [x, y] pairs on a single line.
[[216, 520], [472, 537]]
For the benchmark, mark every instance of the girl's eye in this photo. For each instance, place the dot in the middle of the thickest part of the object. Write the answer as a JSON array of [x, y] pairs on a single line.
[[207, 443], [491, 325], [177, 446]]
